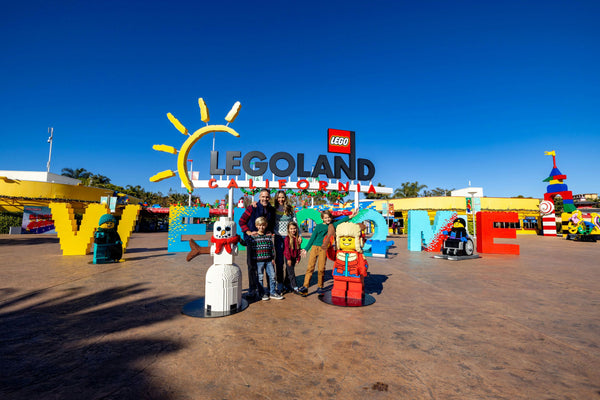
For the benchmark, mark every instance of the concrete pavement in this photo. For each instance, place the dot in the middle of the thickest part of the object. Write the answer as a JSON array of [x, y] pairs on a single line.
[[499, 327]]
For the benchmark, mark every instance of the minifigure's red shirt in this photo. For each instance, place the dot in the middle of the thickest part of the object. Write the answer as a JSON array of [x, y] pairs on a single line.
[[350, 264]]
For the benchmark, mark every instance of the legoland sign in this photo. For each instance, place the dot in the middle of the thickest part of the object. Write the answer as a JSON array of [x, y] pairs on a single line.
[[340, 141], [283, 164]]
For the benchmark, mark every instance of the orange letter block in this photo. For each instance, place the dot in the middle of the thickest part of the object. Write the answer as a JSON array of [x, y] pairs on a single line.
[[486, 232]]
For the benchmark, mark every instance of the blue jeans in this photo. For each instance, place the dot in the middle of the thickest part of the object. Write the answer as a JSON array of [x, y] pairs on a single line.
[[279, 258], [268, 267]]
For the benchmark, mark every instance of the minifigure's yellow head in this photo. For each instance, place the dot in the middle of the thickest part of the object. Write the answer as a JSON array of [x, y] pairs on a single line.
[[107, 222], [459, 223], [348, 237], [107, 225], [347, 243]]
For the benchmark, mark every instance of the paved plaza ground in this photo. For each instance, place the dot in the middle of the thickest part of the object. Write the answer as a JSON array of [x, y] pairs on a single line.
[[499, 327]]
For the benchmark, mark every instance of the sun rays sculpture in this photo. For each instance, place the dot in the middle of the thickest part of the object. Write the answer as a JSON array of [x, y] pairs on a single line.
[[183, 152]]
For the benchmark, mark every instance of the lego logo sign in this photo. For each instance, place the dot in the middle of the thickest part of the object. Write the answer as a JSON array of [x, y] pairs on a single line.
[[340, 141]]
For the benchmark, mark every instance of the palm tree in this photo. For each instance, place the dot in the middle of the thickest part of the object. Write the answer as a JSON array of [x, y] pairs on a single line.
[[409, 189], [177, 198], [136, 191], [79, 173], [99, 180]]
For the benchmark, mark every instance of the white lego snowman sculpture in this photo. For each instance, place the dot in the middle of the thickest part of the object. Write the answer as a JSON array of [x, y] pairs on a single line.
[[223, 291]]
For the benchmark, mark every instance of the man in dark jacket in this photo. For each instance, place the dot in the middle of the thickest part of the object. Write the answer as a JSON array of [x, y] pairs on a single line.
[[247, 222]]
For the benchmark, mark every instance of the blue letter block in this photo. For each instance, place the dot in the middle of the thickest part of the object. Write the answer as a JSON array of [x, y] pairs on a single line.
[[177, 228]]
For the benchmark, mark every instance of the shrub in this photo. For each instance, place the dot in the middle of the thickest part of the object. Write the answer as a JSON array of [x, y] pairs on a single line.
[[9, 219]]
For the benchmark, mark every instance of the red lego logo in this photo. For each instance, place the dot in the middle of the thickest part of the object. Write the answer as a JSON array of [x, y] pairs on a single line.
[[339, 141]]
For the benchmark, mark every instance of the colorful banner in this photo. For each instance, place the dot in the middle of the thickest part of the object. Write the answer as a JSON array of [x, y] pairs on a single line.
[[37, 220]]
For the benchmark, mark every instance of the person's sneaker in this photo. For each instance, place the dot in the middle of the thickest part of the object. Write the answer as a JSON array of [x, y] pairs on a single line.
[[320, 291], [303, 290], [265, 297], [277, 296]]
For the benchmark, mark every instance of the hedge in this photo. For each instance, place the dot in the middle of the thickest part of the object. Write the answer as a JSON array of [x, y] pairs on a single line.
[[9, 219]]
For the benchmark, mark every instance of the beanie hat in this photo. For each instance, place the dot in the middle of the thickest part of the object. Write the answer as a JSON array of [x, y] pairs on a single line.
[[107, 218]]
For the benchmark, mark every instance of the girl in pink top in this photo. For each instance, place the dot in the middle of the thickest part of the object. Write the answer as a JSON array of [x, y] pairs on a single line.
[[291, 252]]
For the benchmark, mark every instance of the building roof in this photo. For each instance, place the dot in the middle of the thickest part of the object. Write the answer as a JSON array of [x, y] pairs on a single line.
[[38, 176]]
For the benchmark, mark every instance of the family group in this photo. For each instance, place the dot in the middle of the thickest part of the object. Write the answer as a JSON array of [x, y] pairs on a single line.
[[272, 234]]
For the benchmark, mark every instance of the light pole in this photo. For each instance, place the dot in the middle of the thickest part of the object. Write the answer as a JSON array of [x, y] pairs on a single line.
[[473, 212], [50, 139]]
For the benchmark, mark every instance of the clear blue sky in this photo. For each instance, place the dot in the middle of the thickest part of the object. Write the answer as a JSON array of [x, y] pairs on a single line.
[[439, 92]]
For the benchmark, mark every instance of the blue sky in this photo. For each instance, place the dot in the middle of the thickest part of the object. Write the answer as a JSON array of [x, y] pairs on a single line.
[[439, 92]]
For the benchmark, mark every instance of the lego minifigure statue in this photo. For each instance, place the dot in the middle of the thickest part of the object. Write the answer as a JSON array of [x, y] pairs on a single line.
[[108, 246], [350, 266]]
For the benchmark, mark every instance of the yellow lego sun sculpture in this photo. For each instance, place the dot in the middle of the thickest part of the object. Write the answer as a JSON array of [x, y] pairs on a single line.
[[191, 140]]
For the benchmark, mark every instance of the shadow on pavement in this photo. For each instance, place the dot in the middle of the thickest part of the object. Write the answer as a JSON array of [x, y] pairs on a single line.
[[60, 346], [145, 249], [20, 240], [373, 282]]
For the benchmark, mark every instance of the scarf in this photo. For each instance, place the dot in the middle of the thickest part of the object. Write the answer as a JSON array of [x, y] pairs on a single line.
[[220, 243]]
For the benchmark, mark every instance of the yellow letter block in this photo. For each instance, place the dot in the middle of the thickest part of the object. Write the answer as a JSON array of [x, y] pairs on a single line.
[[127, 222], [73, 242]]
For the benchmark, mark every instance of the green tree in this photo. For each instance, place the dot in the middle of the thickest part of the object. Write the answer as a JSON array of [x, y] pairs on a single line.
[[98, 180], [558, 205], [79, 173], [136, 191], [9, 219], [409, 189]]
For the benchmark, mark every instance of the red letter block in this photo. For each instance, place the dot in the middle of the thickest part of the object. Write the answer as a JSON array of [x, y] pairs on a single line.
[[486, 232]]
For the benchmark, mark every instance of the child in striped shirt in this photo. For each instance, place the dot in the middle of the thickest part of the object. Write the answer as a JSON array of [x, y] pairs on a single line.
[[262, 245]]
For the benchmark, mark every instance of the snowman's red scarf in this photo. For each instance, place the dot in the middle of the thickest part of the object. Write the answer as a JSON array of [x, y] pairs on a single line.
[[227, 243]]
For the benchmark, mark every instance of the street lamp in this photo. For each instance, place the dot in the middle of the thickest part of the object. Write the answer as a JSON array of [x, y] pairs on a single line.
[[473, 212], [50, 139]]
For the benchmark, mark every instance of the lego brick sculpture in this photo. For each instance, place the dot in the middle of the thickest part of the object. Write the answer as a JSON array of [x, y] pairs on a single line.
[[548, 218], [378, 244], [307, 214], [108, 246], [421, 236], [486, 232], [557, 187], [350, 266], [177, 227], [127, 223], [458, 242], [75, 242], [580, 229], [223, 288]]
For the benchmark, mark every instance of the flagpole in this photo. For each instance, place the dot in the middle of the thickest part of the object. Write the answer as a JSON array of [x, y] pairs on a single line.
[[50, 139]]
